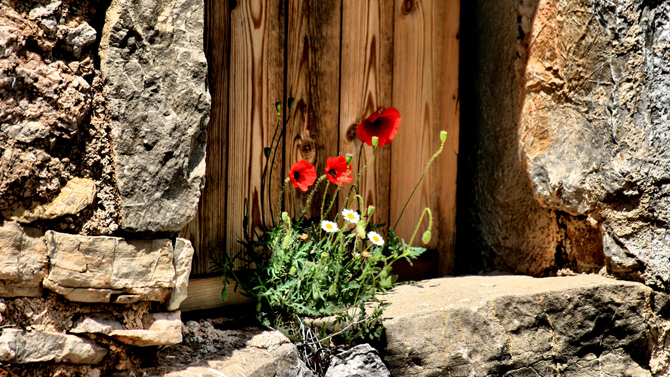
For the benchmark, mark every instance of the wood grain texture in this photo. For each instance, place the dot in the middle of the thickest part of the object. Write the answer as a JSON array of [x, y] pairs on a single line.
[[256, 83], [366, 83], [207, 230], [313, 75], [205, 293], [425, 91]]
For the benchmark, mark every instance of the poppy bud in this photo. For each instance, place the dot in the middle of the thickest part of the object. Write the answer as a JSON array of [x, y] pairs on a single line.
[[287, 241], [443, 136], [375, 141], [278, 106], [371, 210], [426, 237], [291, 103], [284, 217], [360, 229], [349, 156]]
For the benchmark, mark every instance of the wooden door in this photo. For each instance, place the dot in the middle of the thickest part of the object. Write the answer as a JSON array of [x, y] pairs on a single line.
[[340, 60]]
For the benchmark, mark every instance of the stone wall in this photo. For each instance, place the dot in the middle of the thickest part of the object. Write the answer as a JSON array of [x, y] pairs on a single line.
[[102, 150], [568, 144]]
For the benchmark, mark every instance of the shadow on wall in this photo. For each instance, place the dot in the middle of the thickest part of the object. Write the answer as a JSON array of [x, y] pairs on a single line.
[[501, 227]]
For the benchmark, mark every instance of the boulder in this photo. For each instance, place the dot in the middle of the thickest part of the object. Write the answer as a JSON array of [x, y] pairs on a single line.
[[584, 325], [593, 131], [92, 269], [23, 261], [18, 346], [155, 74]]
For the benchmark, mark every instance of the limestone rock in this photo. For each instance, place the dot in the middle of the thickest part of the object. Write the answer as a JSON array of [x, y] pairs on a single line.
[[91, 269], [17, 346], [593, 122], [76, 195], [23, 261], [160, 329], [584, 325], [155, 73], [183, 256], [359, 361]]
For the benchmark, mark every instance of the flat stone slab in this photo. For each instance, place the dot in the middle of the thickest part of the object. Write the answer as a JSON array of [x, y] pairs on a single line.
[[585, 325]]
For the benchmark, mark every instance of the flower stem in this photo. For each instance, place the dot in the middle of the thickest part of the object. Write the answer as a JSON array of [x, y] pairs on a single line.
[[311, 196], [281, 196], [358, 178], [418, 183], [419, 224]]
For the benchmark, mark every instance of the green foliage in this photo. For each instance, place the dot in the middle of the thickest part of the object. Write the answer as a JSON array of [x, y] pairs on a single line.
[[297, 268]]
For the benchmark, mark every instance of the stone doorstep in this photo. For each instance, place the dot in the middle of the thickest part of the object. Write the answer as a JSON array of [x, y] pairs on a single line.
[[504, 325]]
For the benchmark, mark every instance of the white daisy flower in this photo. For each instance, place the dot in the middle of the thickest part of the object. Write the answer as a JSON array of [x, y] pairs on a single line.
[[329, 226], [351, 216], [375, 238], [356, 255]]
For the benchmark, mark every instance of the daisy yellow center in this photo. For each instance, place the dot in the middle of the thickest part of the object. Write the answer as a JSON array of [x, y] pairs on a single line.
[[351, 216], [329, 226], [375, 238]]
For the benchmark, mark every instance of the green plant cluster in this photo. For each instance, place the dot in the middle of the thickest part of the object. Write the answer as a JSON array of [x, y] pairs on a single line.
[[314, 267]]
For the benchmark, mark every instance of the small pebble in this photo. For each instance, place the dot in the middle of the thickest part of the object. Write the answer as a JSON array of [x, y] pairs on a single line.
[[3, 307]]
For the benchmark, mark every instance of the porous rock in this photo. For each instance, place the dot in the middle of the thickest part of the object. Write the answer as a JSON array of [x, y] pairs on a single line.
[[593, 125], [18, 346], [91, 269], [584, 325], [154, 72], [23, 261], [359, 361]]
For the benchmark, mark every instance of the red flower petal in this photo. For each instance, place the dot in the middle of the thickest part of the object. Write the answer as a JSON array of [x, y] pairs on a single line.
[[337, 170], [384, 125], [302, 175]]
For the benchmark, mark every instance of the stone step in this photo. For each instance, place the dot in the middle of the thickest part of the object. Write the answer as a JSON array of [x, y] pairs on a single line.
[[585, 325]]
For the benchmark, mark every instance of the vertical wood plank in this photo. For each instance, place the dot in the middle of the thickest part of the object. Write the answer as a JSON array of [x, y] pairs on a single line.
[[313, 75], [207, 230], [366, 83], [256, 83], [425, 91]]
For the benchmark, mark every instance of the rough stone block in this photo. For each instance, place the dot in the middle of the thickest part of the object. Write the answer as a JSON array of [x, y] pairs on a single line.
[[155, 75], [584, 325], [593, 123], [23, 261], [18, 346], [92, 269]]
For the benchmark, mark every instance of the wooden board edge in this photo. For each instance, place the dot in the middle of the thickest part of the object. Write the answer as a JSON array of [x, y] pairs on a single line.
[[205, 293]]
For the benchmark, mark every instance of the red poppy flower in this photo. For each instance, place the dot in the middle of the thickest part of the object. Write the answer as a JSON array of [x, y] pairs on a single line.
[[302, 174], [337, 170], [383, 124]]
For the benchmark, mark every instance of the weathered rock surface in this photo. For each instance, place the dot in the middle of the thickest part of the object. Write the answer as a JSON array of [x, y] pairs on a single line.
[[77, 194], [18, 346], [183, 257], [160, 329], [100, 323], [594, 122], [584, 325], [360, 361], [91, 269], [155, 71], [23, 261], [52, 111]]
